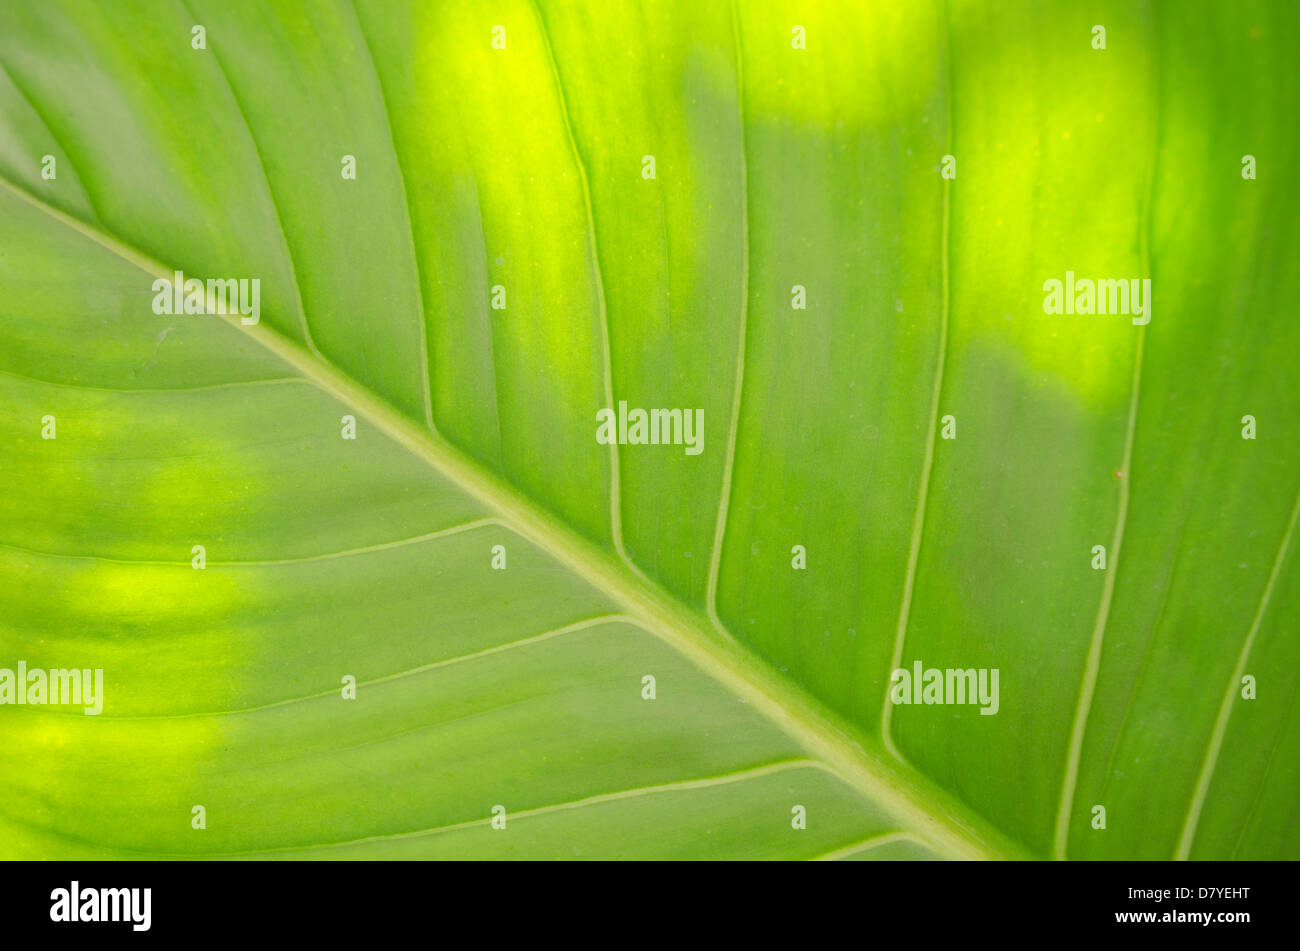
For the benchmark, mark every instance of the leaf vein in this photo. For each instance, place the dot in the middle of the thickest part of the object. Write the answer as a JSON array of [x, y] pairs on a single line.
[[932, 435], [737, 395], [1211, 759], [426, 377], [616, 490], [270, 192]]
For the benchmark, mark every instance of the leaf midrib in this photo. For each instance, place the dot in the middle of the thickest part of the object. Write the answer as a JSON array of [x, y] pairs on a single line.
[[944, 823]]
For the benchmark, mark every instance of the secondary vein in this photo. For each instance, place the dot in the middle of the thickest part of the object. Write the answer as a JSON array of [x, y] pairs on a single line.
[[737, 394], [616, 490], [1229, 696], [927, 463]]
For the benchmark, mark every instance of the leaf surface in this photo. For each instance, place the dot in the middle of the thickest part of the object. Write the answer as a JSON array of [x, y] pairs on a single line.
[[522, 169]]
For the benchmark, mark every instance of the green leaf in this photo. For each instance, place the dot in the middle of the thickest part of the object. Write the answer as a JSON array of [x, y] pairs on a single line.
[[775, 168]]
